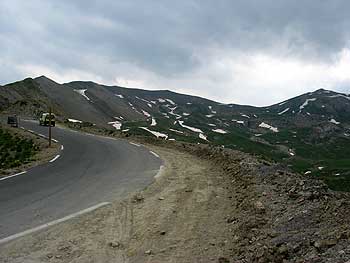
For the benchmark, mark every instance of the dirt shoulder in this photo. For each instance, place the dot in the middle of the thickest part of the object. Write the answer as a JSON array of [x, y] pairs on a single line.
[[208, 205], [43, 154]]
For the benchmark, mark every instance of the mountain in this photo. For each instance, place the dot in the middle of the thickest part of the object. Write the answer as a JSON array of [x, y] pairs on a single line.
[[309, 133]]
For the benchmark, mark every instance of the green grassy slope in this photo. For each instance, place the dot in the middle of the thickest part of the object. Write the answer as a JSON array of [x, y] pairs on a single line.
[[15, 151]]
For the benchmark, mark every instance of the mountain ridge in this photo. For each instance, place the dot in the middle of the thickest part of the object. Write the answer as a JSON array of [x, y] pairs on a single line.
[[305, 132]]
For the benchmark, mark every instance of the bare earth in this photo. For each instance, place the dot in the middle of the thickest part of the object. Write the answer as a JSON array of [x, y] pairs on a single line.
[[207, 205]]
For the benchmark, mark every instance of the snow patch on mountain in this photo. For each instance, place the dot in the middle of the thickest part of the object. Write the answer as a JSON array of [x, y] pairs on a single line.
[[177, 131], [155, 133], [284, 111], [211, 109], [170, 101], [267, 126], [154, 123], [237, 121], [334, 121], [282, 103], [219, 131], [74, 121], [132, 106], [306, 103], [203, 137], [146, 114], [116, 124], [82, 93], [189, 127], [341, 96], [177, 116]]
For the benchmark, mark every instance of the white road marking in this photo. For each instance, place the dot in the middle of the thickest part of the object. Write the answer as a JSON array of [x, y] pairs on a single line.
[[156, 155], [52, 223], [7, 177], [55, 158], [31, 131], [54, 140], [62, 147], [138, 145], [41, 135]]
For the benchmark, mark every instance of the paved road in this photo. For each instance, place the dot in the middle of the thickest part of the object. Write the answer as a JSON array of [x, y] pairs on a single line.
[[90, 170]]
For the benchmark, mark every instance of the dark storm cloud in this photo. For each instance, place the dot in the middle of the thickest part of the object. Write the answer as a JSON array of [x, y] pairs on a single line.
[[166, 38]]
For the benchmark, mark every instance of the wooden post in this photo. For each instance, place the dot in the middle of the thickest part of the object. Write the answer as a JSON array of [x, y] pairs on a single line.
[[50, 127]]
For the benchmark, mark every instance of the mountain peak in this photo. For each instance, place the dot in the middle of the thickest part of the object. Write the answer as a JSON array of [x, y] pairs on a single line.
[[45, 79]]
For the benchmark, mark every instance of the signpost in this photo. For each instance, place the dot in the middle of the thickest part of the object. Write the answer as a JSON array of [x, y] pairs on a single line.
[[50, 127]]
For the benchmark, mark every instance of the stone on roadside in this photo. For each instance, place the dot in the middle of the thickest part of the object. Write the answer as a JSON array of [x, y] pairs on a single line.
[[114, 244]]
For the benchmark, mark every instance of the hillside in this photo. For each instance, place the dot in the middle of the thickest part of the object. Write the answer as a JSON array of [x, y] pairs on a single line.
[[309, 133], [14, 150]]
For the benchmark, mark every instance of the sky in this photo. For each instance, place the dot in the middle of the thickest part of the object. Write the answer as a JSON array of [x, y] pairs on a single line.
[[255, 52]]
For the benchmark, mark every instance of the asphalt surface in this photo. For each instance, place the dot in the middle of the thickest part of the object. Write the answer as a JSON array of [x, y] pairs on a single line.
[[90, 170]]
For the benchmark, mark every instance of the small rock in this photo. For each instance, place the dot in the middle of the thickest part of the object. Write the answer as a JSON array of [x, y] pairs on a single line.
[[138, 198], [162, 233], [58, 256], [74, 242], [259, 206], [230, 220], [321, 244], [148, 252], [161, 198], [114, 244], [64, 248]]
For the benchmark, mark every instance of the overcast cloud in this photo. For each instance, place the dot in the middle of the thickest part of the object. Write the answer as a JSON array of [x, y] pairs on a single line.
[[254, 52]]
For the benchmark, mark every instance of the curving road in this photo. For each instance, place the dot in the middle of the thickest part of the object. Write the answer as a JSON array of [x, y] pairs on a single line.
[[90, 170]]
